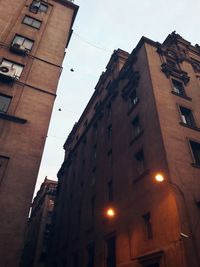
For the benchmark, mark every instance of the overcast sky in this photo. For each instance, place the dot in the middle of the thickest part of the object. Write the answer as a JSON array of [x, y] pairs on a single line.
[[100, 27]]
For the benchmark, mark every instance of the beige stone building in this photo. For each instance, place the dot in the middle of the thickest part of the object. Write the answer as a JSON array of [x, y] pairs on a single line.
[[39, 225], [142, 120], [33, 38]]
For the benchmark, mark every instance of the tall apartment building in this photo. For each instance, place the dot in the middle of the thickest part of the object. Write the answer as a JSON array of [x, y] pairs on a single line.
[[33, 38], [142, 122], [39, 225]]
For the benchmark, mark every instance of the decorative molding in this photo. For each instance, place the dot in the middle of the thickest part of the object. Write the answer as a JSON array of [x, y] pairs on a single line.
[[178, 73]]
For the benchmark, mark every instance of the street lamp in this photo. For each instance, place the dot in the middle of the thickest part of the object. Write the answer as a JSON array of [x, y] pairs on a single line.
[[110, 212]]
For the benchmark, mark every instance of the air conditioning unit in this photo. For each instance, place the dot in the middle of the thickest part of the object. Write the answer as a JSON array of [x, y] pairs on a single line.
[[7, 73], [19, 49]]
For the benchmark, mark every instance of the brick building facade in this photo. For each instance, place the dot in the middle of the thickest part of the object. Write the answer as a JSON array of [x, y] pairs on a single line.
[[34, 35], [143, 119]]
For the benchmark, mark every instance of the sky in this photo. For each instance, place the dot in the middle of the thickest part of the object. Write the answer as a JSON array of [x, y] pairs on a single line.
[[101, 27]]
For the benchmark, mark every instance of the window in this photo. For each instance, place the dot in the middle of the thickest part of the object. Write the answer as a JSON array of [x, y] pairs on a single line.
[[187, 117], [141, 166], [196, 151], [4, 103], [178, 87], [3, 166], [110, 190], [110, 249], [133, 99], [172, 63], [23, 41], [148, 225], [32, 22], [16, 69], [91, 253], [136, 127], [37, 6], [109, 131], [92, 205]]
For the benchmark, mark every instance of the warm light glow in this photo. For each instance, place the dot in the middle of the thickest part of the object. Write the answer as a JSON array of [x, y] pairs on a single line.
[[110, 212], [159, 177]]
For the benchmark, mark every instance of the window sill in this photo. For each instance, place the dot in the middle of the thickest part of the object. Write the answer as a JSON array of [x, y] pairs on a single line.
[[141, 176], [190, 127], [183, 96], [195, 165], [12, 118], [133, 107], [136, 137]]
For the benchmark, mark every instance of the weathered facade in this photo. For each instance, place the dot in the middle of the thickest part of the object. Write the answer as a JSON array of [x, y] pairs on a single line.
[[39, 226], [34, 35], [143, 119]]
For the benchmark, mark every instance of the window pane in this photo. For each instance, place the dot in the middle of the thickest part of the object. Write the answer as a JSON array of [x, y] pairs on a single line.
[[28, 44], [43, 8], [36, 24], [28, 20], [6, 63], [196, 151], [4, 103], [18, 40], [18, 69]]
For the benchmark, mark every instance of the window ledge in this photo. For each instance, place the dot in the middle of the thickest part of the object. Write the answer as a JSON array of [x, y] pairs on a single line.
[[195, 165], [183, 96], [133, 107], [145, 173], [136, 137], [12, 118], [190, 127]]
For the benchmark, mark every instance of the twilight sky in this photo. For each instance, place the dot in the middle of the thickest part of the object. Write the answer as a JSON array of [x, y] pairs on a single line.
[[100, 27]]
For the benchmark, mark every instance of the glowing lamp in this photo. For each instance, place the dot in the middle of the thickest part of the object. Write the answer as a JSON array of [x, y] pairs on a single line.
[[159, 178]]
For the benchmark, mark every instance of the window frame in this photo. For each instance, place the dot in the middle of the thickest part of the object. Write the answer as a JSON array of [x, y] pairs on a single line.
[[25, 39], [33, 20], [196, 160], [191, 123], [182, 94], [6, 96], [37, 7], [143, 169]]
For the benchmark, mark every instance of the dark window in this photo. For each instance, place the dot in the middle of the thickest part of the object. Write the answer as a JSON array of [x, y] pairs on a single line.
[[109, 110], [75, 259], [136, 127], [37, 6], [91, 253], [133, 99], [3, 165], [148, 225], [92, 205], [22, 42], [95, 152], [110, 190], [4, 103], [32, 22], [178, 87], [172, 63], [109, 130], [196, 151], [111, 256], [187, 117], [141, 167]]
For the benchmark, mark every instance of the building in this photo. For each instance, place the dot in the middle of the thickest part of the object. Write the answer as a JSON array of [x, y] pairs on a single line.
[[34, 35], [141, 122], [39, 225]]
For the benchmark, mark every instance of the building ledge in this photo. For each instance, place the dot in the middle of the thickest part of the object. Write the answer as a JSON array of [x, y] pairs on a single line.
[[183, 96], [190, 127], [12, 118], [195, 165], [142, 175]]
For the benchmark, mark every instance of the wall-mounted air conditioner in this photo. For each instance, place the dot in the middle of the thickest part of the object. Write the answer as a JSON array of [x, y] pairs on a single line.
[[19, 49], [7, 73]]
